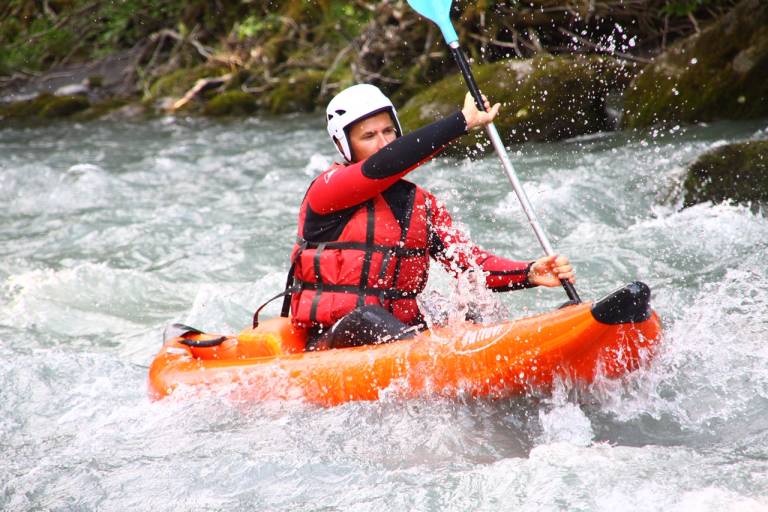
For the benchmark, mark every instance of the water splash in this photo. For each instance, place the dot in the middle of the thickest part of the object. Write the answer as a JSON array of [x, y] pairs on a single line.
[[171, 220]]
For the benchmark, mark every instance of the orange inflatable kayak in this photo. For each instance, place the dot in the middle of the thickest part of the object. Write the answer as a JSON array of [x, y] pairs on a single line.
[[611, 336]]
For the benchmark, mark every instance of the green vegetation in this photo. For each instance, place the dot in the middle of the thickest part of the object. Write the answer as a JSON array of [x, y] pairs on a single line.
[[65, 31], [293, 55]]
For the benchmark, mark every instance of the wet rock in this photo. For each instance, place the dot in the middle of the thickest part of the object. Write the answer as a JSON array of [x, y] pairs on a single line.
[[717, 74], [543, 99], [231, 103], [736, 172]]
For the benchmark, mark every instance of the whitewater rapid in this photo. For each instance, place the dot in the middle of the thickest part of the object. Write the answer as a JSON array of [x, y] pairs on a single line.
[[109, 231]]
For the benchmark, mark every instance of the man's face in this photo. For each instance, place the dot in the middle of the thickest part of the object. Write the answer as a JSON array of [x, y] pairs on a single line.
[[368, 136]]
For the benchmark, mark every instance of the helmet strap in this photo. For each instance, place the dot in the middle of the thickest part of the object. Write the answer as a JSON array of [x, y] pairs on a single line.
[[340, 148]]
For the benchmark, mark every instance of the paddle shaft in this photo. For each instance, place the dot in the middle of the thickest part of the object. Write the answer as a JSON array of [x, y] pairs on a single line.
[[501, 151]]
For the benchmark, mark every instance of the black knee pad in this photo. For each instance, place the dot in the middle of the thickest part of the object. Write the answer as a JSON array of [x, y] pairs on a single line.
[[366, 325]]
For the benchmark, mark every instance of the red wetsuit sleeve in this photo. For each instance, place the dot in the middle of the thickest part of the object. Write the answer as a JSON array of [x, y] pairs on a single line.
[[456, 253], [344, 186]]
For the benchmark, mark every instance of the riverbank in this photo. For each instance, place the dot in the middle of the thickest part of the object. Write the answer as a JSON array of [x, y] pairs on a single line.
[[84, 60]]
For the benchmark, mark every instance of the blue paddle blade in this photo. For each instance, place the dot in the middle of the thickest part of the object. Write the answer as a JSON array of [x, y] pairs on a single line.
[[438, 11]]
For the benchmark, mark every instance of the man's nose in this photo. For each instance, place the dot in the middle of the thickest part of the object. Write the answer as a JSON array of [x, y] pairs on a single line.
[[381, 140]]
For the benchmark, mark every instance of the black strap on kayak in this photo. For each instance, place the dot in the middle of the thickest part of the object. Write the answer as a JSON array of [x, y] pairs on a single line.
[[179, 331], [290, 288], [285, 311]]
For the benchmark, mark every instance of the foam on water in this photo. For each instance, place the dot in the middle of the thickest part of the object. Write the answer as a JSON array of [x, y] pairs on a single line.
[[109, 232]]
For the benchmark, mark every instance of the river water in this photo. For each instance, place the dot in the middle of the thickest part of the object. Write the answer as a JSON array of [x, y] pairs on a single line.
[[109, 231]]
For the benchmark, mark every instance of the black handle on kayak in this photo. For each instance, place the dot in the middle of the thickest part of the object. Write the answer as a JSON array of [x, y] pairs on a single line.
[[461, 60]]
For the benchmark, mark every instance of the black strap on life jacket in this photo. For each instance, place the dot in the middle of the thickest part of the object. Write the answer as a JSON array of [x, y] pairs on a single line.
[[403, 252], [383, 293], [318, 280], [369, 238], [404, 235], [369, 247]]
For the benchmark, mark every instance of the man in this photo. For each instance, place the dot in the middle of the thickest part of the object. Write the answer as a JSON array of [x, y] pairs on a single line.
[[365, 235]]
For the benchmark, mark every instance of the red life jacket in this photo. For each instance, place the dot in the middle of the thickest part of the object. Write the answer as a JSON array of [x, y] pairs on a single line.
[[373, 261]]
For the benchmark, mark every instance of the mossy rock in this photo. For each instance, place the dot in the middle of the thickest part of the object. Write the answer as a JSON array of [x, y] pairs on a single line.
[[46, 106], [296, 93], [26, 109], [736, 172], [717, 74], [177, 83], [231, 103], [64, 106], [100, 109], [546, 98]]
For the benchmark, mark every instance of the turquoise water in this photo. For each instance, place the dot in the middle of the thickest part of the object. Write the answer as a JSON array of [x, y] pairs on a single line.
[[109, 231]]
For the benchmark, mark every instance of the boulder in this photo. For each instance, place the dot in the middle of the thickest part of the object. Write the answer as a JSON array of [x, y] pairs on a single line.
[[64, 106], [719, 73], [297, 93], [176, 83], [45, 106], [543, 99], [736, 172], [24, 107], [231, 103]]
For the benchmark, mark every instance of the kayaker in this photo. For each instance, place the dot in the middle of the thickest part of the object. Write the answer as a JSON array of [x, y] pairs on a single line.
[[365, 235]]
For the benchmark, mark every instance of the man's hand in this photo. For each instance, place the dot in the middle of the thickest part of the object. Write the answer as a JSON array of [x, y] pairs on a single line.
[[476, 117], [549, 270]]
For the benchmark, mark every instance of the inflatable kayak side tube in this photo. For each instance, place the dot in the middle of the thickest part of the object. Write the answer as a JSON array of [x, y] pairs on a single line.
[[628, 304]]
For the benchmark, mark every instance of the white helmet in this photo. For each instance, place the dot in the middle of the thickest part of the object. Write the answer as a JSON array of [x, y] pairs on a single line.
[[353, 104]]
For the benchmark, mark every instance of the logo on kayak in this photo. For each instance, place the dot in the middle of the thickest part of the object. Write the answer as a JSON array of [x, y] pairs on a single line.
[[328, 175], [487, 335]]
